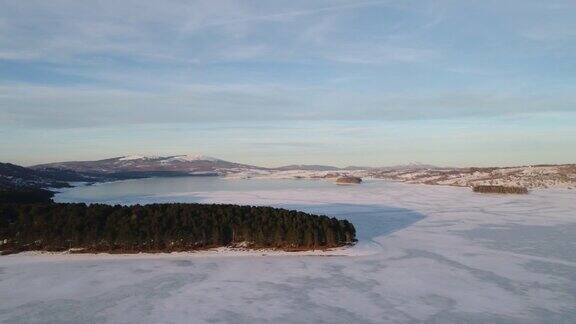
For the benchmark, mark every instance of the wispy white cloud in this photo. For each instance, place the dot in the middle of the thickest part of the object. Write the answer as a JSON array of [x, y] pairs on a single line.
[[282, 16], [380, 54], [172, 31], [68, 65]]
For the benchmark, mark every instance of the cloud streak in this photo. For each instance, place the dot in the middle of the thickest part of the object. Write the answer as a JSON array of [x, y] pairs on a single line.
[[53, 107], [200, 31]]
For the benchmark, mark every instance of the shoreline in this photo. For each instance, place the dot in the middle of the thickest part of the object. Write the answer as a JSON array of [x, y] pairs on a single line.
[[73, 185], [227, 252]]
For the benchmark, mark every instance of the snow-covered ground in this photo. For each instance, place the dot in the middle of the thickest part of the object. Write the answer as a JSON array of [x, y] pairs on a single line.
[[426, 254], [553, 176], [287, 174]]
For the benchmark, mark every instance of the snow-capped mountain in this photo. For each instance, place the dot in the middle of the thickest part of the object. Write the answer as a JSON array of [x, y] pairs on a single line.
[[139, 163]]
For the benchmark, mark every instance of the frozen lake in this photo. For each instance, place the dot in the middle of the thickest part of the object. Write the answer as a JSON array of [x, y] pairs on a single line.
[[426, 254]]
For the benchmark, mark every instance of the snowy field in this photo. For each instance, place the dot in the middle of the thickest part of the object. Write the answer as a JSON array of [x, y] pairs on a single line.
[[426, 254]]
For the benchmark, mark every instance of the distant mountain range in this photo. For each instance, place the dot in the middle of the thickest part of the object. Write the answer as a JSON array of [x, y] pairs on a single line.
[[175, 164], [15, 176], [188, 164], [60, 174]]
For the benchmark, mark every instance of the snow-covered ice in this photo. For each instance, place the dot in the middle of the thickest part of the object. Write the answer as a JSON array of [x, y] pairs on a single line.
[[426, 254]]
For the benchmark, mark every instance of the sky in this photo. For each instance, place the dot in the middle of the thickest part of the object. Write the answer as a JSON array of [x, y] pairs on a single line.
[[369, 83]]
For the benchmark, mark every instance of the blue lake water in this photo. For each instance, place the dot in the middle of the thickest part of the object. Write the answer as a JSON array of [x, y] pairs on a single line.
[[371, 220], [129, 191]]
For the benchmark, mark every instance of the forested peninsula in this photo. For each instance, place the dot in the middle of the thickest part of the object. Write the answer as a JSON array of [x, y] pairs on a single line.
[[48, 226]]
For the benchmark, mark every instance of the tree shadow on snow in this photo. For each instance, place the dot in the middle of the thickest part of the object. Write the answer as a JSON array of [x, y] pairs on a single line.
[[370, 221]]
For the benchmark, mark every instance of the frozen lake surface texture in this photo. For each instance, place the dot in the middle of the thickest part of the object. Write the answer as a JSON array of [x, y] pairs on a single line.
[[426, 254]]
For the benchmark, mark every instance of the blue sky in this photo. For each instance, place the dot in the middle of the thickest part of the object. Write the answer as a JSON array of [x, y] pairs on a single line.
[[282, 82]]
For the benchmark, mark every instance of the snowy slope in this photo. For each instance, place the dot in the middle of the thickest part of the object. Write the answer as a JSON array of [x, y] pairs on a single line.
[[544, 176], [141, 163]]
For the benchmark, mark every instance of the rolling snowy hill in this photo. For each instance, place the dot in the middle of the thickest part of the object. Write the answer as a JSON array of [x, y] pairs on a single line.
[[186, 164]]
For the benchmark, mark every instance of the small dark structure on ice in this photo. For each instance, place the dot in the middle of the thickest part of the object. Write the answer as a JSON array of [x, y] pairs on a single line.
[[348, 180]]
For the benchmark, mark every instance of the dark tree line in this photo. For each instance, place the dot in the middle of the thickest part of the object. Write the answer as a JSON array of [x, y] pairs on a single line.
[[25, 195], [500, 189], [164, 227]]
